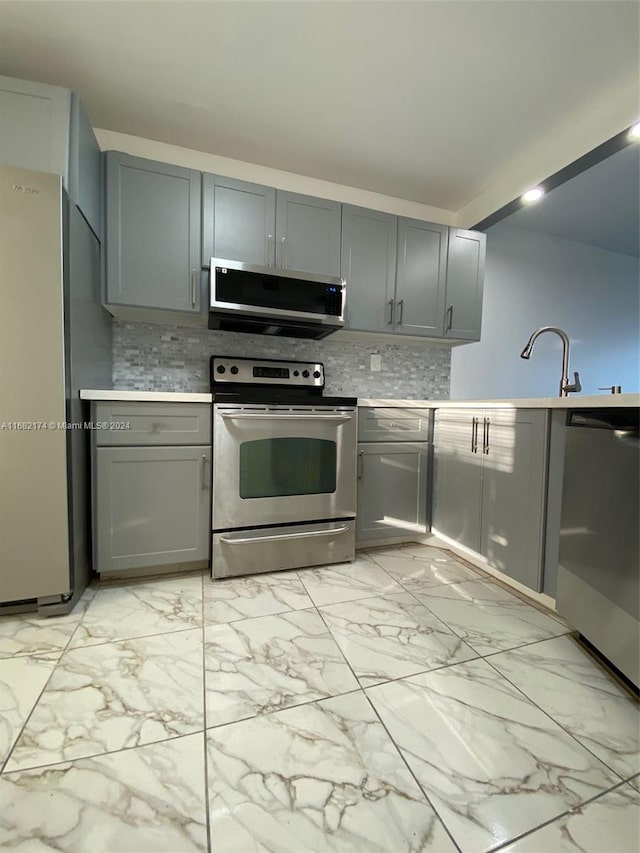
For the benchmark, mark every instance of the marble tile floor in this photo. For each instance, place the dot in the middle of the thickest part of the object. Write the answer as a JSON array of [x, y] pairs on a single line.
[[404, 702]]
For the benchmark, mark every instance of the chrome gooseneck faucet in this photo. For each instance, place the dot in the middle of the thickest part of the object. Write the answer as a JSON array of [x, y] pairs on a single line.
[[565, 387]]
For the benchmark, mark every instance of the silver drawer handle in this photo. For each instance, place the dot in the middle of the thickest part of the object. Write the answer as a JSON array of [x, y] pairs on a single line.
[[288, 417], [194, 274], [283, 538], [203, 483]]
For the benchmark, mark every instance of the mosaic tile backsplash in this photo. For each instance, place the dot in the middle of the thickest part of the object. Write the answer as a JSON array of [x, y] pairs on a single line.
[[150, 357]]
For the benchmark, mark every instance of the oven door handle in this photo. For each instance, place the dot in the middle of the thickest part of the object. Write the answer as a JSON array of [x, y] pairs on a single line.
[[284, 417], [283, 537]]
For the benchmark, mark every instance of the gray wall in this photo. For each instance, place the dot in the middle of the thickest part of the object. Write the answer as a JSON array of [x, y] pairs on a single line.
[[537, 280], [150, 357]]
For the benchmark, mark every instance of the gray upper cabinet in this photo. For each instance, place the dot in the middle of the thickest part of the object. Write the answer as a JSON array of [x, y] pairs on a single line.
[[153, 234], [369, 267], [238, 221], [418, 308], [465, 280], [308, 233], [46, 129]]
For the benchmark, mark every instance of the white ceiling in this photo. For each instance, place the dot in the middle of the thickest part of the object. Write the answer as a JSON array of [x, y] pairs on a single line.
[[599, 207], [428, 101]]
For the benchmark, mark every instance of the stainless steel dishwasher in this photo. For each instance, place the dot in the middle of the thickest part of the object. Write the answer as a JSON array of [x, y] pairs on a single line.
[[599, 560]]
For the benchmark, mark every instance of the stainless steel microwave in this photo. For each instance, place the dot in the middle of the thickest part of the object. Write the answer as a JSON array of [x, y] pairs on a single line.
[[273, 301]]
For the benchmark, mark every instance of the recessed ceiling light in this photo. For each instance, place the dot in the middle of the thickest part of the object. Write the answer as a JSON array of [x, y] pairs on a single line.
[[532, 195], [634, 133]]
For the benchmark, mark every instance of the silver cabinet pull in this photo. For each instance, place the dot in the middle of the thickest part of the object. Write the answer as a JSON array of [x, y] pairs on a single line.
[[449, 318], [194, 273], [485, 435], [390, 306], [474, 435], [271, 251], [400, 311], [203, 482], [284, 537], [360, 464], [289, 416], [283, 253]]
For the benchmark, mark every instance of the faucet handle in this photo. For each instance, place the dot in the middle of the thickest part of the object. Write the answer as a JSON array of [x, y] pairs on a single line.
[[576, 382], [572, 389]]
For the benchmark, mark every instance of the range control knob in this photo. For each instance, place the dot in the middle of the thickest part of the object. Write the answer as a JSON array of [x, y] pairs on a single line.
[[316, 374], [296, 373], [234, 370], [305, 373], [220, 368]]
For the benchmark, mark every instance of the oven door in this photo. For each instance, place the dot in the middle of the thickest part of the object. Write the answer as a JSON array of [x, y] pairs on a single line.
[[279, 464]]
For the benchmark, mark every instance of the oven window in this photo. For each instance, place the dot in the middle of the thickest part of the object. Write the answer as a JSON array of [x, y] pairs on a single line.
[[276, 467]]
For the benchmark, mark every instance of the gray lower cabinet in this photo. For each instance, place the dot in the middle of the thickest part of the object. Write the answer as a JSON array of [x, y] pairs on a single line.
[[151, 487], [152, 506], [238, 221], [369, 240], [490, 476], [393, 467], [153, 235], [45, 128], [465, 284], [392, 490]]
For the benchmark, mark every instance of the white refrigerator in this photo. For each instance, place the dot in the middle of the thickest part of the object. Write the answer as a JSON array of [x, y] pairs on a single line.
[[55, 338]]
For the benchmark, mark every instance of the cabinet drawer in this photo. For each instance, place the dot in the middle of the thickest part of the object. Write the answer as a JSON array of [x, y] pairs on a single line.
[[139, 424], [390, 424]]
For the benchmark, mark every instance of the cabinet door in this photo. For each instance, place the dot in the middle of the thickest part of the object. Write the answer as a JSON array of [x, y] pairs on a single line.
[[308, 234], [457, 489], [153, 234], [392, 490], [369, 267], [238, 221], [86, 182], [421, 277], [513, 493], [151, 506], [34, 126], [465, 282]]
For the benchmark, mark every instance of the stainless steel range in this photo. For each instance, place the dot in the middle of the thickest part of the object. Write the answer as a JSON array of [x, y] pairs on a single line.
[[284, 467]]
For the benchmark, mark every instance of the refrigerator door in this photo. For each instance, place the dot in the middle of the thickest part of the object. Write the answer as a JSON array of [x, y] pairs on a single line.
[[34, 531]]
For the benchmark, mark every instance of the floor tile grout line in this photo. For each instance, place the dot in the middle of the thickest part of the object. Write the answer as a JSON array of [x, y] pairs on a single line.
[[412, 774], [356, 689], [557, 723], [207, 810], [3, 770], [131, 639], [470, 642], [98, 754], [557, 818]]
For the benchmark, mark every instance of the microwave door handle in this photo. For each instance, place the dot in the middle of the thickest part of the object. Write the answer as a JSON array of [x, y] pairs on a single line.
[[232, 416]]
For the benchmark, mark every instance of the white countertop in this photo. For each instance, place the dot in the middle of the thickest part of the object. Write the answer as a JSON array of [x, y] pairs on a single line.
[[118, 395], [573, 401]]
